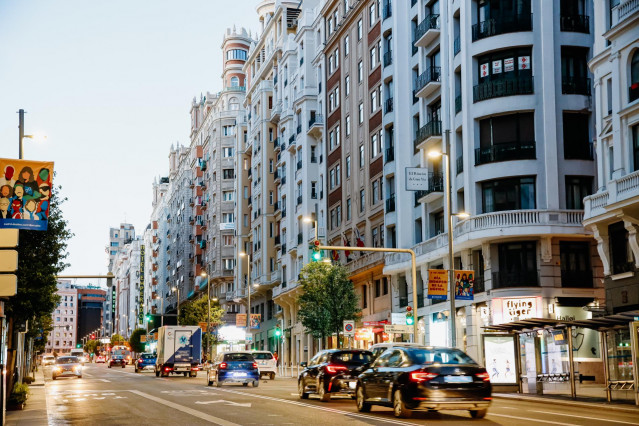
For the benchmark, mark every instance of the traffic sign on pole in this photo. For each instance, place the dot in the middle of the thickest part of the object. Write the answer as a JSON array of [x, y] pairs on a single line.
[[349, 328]]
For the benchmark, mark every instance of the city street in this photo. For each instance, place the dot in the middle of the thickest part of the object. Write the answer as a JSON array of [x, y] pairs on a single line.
[[120, 396]]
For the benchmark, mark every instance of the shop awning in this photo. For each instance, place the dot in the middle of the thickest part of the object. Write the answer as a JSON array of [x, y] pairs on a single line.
[[525, 325], [607, 322]]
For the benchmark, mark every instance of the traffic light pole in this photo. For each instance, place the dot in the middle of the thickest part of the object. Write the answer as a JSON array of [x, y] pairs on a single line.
[[389, 250]]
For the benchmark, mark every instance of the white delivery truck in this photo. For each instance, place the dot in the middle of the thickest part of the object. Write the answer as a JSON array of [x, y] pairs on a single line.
[[179, 350]]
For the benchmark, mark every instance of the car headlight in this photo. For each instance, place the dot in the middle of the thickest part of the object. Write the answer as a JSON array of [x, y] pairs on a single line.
[[58, 369]]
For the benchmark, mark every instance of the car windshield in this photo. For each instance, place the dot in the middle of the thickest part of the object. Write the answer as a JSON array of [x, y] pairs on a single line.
[[147, 356], [263, 355], [353, 357], [238, 357], [438, 356], [66, 360]]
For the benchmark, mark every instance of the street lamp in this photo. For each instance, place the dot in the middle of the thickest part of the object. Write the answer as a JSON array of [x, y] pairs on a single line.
[[177, 288], [37, 136], [450, 214]]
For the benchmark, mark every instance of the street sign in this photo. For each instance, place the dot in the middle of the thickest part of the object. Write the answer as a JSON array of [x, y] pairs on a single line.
[[398, 318], [202, 326], [416, 178], [349, 328], [143, 338], [8, 284], [400, 329]]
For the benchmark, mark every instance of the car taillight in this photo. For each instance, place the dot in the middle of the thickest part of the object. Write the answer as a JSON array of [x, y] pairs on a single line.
[[422, 376], [167, 368], [335, 368], [194, 368], [223, 366], [140, 360], [484, 376], [254, 365]]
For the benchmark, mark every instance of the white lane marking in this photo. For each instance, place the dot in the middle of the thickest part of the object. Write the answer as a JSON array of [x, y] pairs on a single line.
[[585, 417], [222, 401], [330, 410], [187, 410], [528, 419]]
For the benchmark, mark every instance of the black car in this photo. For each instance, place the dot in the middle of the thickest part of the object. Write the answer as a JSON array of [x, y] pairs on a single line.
[[424, 378], [332, 371], [117, 360]]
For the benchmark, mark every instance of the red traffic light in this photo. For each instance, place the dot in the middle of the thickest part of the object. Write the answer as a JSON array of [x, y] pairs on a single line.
[[408, 308], [316, 243], [93, 336]]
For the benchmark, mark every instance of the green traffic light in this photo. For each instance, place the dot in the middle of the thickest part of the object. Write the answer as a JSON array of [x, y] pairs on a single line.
[[317, 255], [278, 332], [410, 321]]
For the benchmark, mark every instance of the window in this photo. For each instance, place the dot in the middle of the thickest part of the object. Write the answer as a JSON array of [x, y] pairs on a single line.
[[577, 187], [364, 297], [331, 140], [236, 54], [360, 30], [634, 130], [228, 195], [505, 64], [227, 240], [361, 156], [633, 94], [374, 103], [505, 138], [337, 135], [622, 259], [373, 57], [575, 264], [517, 265], [228, 174], [375, 193], [360, 72], [228, 218], [360, 113], [314, 190], [574, 71], [371, 14], [348, 209], [348, 166], [227, 152], [348, 125], [508, 194], [362, 200], [228, 263], [347, 48], [576, 137], [376, 145]]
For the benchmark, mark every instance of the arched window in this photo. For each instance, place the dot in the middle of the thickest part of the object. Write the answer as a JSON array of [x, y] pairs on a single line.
[[235, 82], [234, 104], [634, 77]]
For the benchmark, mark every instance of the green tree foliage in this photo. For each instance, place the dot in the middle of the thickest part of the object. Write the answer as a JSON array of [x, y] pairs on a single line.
[[117, 339], [134, 340], [195, 312], [41, 256], [91, 346], [328, 298]]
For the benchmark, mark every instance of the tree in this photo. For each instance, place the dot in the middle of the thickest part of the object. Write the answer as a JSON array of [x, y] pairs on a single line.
[[328, 298], [135, 341], [91, 346], [117, 339], [195, 312]]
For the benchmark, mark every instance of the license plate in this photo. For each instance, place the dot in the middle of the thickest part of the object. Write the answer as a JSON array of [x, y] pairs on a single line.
[[352, 385], [458, 379], [239, 374]]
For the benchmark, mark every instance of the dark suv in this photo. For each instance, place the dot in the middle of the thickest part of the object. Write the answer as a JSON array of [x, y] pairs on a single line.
[[333, 371]]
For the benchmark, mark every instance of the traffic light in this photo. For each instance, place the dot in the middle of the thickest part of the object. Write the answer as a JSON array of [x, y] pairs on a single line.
[[92, 336], [278, 331], [148, 318], [410, 320], [317, 253]]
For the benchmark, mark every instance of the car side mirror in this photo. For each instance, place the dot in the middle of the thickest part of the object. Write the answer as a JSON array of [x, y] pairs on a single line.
[[304, 364]]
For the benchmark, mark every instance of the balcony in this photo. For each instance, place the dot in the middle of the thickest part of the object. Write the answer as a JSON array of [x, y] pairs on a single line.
[[575, 23], [427, 31], [390, 154], [504, 25], [277, 240], [575, 86], [388, 58], [427, 82], [390, 203], [276, 144], [504, 279], [577, 279], [435, 189], [460, 164], [458, 104], [505, 87], [505, 152], [430, 131], [291, 140], [300, 238], [388, 105], [585, 151], [620, 193], [277, 206], [315, 125]]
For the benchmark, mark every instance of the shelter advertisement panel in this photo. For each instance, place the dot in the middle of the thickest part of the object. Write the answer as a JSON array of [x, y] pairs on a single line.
[[437, 283], [499, 357], [464, 285], [25, 194], [256, 319]]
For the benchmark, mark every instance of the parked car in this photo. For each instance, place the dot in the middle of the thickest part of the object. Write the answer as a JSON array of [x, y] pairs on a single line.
[[67, 366], [48, 360], [332, 371], [266, 363], [379, 348], [100, 359], [238, 367], [117, 360], [145, 362], [424, 378]]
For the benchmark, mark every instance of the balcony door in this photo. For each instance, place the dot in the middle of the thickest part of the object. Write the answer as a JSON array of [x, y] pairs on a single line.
[[517, 265]]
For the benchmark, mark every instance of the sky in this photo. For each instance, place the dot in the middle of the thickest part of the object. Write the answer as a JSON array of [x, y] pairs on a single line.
[[110, 83]]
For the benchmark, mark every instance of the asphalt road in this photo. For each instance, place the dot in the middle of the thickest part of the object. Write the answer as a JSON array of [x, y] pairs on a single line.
[[119, 396]]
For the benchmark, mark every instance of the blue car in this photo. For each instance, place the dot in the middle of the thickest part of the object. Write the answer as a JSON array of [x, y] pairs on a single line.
[[238, 367], [145, 362]]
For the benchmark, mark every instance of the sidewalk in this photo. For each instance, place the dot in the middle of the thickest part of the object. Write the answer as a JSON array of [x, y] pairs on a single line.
[[581, 401], [35, 411]]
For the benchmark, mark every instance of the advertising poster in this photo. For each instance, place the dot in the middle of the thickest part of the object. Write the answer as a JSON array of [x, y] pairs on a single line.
[[497, 67], [524, 62], [25, 193], [256, 319], [464, 285], [240, 320], [509, 64], [437, 283], [499, 353], [483, 70]]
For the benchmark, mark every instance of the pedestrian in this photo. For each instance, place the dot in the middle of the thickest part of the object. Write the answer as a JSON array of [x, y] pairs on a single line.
[[277, 361]]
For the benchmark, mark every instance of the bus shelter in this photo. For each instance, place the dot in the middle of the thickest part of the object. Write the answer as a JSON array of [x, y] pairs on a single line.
[[538, 366]]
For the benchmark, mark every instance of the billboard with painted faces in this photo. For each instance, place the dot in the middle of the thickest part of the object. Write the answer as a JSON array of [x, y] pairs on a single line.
[[25, 194]]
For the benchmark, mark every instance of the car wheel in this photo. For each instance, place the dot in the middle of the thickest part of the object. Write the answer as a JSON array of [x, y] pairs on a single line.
[[157, 373], [185, 374], [399, 407], [321, 390], [137, 371], [123, 365], [80, 376], [256, 383], [245, 384], [300, 389], [53, 377], [218, 384], [362, 405], [478, 414], [109, 365], [272, 376]]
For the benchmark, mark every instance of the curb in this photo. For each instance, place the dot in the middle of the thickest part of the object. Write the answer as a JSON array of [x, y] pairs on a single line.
[[605, 406]]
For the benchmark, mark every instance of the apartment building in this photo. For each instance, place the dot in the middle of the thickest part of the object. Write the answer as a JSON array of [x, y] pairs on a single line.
[[156, 282], [64, 335], [354, 133], [505, 85], [126, 287], [611, 213]]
